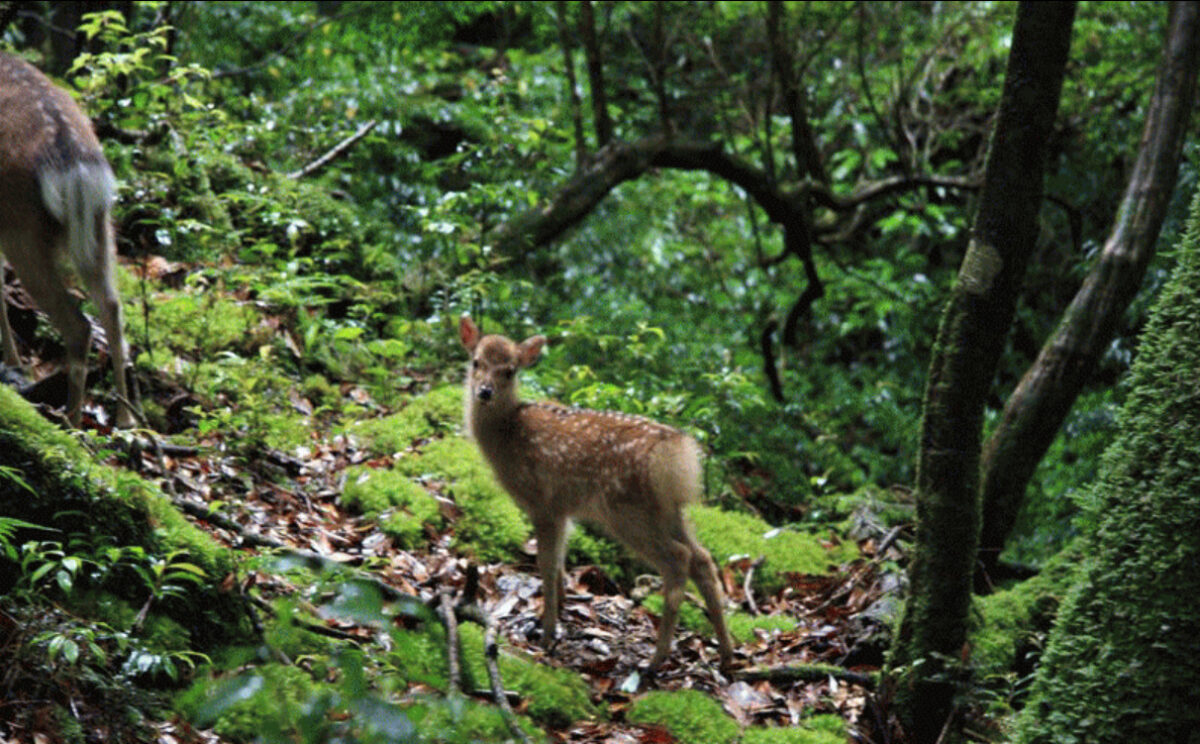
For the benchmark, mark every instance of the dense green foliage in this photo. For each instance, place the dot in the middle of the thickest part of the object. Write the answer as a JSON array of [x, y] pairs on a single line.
[[1121, 660], [268, 311], [658, 298]]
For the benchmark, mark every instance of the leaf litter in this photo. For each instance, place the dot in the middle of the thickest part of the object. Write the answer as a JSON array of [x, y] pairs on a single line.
[[292, 499]]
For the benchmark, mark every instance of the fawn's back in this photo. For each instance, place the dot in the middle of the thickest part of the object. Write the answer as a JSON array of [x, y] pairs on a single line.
[[597, 466], [44, 137]]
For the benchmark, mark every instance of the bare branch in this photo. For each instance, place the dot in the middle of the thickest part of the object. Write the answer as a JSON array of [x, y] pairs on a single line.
[[766, 343], [804, 146], [334, 152], [450, 621]]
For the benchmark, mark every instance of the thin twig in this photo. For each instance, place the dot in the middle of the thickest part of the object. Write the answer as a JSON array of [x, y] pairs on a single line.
[[451, 623], [747, 589], [803, 673], [334, 152], [296, 38], [490, 652]]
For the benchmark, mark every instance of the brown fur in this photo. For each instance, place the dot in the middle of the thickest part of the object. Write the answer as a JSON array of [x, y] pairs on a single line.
[[628, 475], [56, 194]]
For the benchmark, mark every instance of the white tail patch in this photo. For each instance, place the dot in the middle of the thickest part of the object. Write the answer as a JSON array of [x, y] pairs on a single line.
[[80, 197]]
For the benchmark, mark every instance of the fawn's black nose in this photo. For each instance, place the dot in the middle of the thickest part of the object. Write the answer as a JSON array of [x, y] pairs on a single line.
[[485, 392]]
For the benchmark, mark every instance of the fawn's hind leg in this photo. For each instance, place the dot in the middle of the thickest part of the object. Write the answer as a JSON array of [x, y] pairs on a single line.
[[673, 568], [704, 572]]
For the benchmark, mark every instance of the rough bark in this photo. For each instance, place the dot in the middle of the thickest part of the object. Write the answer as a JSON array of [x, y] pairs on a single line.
[[970, 338], [1041, 401], [1123, 660]]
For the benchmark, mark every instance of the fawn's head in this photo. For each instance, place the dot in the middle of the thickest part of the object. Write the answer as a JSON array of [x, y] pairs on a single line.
[[495, 362]]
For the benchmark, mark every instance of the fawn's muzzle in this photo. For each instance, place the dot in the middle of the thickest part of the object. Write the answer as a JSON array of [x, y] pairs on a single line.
[[484, 393]]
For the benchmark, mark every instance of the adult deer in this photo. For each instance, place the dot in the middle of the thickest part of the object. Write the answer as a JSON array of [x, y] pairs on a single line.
[[630, 476], [56, 196]]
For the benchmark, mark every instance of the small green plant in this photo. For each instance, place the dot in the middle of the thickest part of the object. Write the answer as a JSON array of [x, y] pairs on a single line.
[[164, 576]]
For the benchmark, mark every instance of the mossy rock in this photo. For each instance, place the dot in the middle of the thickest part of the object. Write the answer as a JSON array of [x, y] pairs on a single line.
[[691, 716], [727, 533], [419, 656], [437, 412], [402, 506], [69, 491], [823, 729], [555, 697], [490, 527]]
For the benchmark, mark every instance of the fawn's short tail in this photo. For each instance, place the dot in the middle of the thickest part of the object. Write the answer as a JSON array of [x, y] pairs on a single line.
[[675, 471]]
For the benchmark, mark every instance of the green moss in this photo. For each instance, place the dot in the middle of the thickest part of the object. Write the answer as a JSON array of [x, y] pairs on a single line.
[[463, 721], [587, 546], [201, 323], [823, 729], [491, 527], [691, 716], [437, 412], [319, 391], [727, 533], [78, 496], [555, 697], [1121, 661], [1009, 621], [402, 506], [419, 656], [276, 707]]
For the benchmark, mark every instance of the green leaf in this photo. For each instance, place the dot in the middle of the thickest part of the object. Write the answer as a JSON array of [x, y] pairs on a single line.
[[70, 651]]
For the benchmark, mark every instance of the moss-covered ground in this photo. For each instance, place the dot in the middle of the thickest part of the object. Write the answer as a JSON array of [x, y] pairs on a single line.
[[402, 472]]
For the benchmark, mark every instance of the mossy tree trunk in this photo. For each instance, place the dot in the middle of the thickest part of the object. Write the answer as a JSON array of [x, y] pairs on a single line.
[[1041, 401], [1123, 661], [966, 354]]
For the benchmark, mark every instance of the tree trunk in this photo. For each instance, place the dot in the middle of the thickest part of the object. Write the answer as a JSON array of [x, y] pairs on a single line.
[[1123, 661], [595, 68], [564, 35], [1036, 409], [965, 357]]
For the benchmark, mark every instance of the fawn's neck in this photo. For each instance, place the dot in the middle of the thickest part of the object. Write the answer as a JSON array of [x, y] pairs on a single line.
[[490, 421]]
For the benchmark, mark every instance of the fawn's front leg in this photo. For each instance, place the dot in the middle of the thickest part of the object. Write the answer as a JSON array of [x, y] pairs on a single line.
[[551, 550]]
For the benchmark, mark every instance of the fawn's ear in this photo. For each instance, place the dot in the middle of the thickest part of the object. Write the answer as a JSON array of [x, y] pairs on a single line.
[[529, 350], [468, 332]]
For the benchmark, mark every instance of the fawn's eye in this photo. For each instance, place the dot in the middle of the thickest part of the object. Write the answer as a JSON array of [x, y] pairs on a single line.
[[474, 364], [508, 373]]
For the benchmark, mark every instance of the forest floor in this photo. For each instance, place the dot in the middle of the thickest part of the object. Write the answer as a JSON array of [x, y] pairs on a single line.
[[254, 499], [823, 665]]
